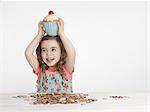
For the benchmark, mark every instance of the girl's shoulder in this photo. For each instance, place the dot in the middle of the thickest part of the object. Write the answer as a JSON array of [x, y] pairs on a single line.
[[38, 70]]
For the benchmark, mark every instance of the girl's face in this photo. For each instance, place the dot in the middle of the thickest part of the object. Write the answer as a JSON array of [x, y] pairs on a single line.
[[50, 52]]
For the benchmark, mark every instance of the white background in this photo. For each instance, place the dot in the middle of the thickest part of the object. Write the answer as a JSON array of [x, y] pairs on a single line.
[[111, 41]]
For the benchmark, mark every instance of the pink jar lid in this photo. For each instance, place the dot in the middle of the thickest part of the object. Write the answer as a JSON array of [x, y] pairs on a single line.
[[51, 17]]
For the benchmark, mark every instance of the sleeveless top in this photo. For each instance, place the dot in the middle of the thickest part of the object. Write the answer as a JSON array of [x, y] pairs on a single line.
[[51, 81]]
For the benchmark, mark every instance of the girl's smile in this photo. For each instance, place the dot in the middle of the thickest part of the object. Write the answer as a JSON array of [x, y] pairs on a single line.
[[50, 59]]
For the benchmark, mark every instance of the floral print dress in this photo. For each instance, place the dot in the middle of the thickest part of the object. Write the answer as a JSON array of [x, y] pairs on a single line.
[[51, 81]]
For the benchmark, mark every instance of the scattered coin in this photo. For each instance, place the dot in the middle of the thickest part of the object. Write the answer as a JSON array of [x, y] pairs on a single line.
[[118, 97]]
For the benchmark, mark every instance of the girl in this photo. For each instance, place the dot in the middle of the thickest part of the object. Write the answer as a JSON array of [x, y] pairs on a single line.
[[55, 60]]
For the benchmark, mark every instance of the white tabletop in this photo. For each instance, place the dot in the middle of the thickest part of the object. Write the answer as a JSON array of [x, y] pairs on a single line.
[[135, 102]]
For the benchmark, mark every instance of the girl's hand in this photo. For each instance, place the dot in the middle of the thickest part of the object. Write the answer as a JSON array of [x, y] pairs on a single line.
[[60, 24], [41, 30]]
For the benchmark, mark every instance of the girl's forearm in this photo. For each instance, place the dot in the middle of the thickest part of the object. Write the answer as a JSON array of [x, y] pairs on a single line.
[[67, 44], [31, 47]]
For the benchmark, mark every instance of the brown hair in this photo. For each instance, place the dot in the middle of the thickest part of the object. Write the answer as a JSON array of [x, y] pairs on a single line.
[[63, 56]]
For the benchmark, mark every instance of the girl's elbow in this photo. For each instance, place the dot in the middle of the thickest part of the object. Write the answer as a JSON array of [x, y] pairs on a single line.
[[27, 53]]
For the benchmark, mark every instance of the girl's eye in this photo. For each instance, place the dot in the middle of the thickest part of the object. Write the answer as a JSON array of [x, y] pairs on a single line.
[[43, 50], [53, 50]]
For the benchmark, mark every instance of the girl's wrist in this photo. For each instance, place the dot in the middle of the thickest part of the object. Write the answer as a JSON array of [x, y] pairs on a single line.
[[40, 36], [62, 34]]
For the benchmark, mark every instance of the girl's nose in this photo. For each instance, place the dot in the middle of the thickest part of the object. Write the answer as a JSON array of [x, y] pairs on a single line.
[[49, 54]]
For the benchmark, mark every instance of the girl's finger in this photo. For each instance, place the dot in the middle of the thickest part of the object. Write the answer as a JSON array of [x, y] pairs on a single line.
[[58, 23], [61, 20], [40, 24]]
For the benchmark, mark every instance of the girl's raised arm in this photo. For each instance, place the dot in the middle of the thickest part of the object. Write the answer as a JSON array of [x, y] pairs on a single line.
[[32, 60], [71, 54]]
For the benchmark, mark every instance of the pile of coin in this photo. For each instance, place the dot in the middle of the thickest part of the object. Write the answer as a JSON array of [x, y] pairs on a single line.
[[59, 98]]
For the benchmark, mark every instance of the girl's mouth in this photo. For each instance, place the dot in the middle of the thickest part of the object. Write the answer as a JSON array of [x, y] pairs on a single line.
[[49, 60]]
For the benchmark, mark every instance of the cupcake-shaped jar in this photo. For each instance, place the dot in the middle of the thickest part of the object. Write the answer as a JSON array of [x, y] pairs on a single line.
[[50, 24]]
